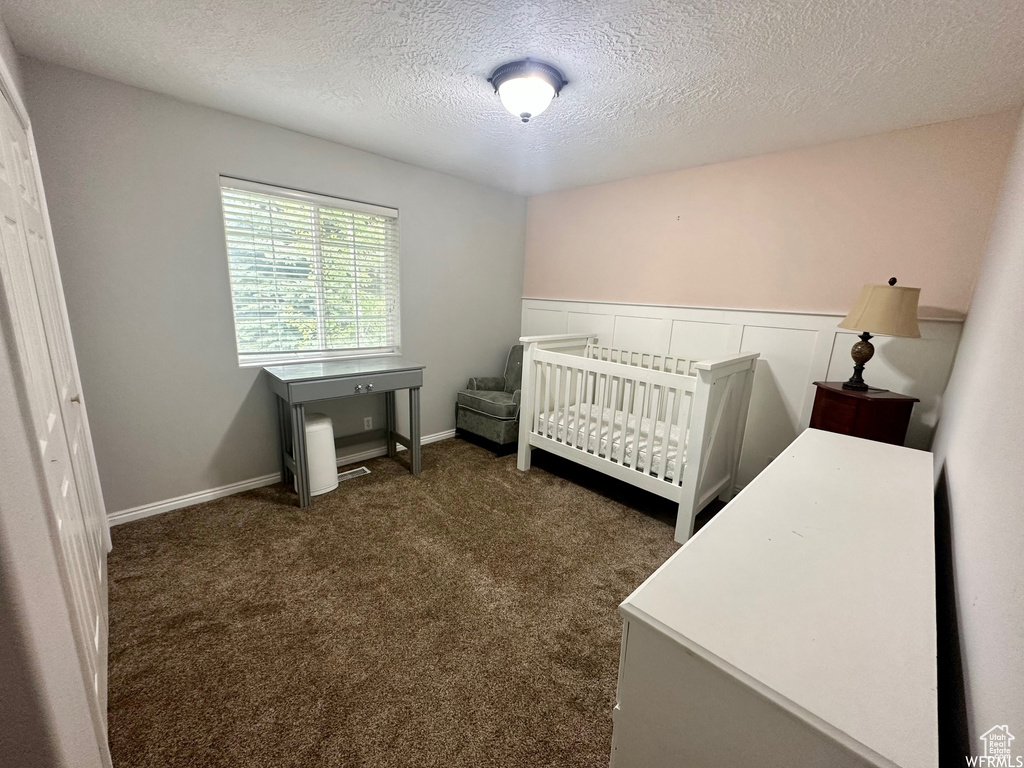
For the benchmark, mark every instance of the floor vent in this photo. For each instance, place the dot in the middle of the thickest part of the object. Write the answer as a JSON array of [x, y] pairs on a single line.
[[352, 473]]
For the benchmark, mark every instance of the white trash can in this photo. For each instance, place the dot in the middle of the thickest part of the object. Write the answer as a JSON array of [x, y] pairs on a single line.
[[320, 455]]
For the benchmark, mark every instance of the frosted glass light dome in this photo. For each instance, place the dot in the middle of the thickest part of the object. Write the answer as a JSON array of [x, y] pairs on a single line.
[[526, 97], [526, 87]]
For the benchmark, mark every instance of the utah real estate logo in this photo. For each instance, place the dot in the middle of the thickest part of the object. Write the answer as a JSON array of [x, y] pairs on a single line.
[[998, 753]]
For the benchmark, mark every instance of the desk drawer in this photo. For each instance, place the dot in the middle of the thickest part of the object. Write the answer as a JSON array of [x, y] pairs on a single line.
[[326, 389]]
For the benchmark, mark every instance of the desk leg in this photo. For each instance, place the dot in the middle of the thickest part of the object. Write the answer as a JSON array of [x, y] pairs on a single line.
[[285, 435], [389, 417], [299, 453], [414, 428]]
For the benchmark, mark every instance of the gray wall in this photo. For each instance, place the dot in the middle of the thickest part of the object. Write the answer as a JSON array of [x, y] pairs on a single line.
[[131, 179], [979, 449]]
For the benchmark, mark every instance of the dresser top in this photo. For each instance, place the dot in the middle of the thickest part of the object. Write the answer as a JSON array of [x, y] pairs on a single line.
[[818, 582], [360, 366]]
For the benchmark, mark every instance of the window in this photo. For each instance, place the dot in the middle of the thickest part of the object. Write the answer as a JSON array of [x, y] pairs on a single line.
[[312, 277]]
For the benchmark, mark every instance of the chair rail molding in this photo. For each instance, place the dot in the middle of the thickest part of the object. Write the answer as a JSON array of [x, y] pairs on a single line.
[[797, 349]]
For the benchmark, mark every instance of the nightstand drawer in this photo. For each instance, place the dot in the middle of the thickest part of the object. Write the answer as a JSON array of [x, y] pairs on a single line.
[[839, 411], [832, 423]]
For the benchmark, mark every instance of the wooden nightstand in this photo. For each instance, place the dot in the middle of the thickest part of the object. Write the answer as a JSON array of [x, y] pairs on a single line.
[[874, 415]]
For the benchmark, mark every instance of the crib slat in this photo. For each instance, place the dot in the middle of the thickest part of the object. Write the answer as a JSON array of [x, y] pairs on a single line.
[[645, 389], [547, 402], [629, 410], [581, 392], [541, 394], [577, 396], [677, 419], [671, 416], [556, 405], [652, 428], [643, 407], [678, 408], [612, 405], [617, 386], [666, 432], [545, 427], [640, 405], [555, 389], [623, 420], [591, 399], [686, 416], [538, 374], [570, 377], [570, 386]]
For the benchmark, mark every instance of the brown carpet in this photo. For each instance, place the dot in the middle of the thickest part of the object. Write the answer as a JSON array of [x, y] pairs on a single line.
[[465, 617]]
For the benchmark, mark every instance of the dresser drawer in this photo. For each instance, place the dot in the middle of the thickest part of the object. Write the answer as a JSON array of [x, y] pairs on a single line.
[[326, 389]]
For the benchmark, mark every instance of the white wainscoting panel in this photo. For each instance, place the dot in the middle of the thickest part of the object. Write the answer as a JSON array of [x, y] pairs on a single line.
[[796, 349], [699, 340], [641, 332], [780, 391], [585, 322]]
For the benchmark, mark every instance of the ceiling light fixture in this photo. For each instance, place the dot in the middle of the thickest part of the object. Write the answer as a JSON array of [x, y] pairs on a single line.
[[526, 87]]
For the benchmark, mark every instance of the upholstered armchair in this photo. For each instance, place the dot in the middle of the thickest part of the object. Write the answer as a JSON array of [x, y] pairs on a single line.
[[489, 406]]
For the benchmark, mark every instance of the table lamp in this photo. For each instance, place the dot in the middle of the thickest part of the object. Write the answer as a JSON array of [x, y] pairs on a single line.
[[885, 310]]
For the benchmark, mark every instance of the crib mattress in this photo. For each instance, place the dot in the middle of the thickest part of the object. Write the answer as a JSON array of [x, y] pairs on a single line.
[[614, 442]]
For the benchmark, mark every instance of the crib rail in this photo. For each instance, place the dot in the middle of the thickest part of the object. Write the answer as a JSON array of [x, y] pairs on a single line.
[[632, 416], [667, 363]]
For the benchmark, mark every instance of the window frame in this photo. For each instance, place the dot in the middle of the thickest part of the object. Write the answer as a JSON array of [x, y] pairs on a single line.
[[253, 360]]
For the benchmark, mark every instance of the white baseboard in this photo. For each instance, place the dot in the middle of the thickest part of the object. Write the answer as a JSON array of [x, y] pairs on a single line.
[[189, 499], [345, 459], [157, 507]]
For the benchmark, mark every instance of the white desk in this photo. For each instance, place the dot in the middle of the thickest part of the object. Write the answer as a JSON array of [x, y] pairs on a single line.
[[797, 628], [302, 383]]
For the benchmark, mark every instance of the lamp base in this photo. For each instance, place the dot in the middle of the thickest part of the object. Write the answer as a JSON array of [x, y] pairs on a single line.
[[862, 351]]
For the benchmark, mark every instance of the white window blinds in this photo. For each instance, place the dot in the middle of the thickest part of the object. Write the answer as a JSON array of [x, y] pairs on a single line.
[[311, 277]]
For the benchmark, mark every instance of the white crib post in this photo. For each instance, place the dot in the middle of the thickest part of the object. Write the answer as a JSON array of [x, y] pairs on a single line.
[[700, 426], [741, 426], [526, 406]]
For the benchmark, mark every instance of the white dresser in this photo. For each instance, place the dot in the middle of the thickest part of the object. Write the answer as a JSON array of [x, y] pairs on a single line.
[[797, 628]]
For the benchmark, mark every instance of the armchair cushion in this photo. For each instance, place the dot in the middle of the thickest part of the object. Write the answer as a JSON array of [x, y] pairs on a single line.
[[493, 383], [501, 405]]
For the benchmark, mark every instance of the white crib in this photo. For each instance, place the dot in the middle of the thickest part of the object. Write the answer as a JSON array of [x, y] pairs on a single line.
[[670, 425]]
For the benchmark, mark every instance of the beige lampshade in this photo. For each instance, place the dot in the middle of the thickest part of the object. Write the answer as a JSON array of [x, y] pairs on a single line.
[[889, 310]]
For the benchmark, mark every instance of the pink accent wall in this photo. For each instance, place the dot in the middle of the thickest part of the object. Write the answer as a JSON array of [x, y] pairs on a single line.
[[801, 230]]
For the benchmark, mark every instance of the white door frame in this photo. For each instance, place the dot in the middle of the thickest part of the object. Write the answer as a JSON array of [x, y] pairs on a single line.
[[49, 699], [9, 92]]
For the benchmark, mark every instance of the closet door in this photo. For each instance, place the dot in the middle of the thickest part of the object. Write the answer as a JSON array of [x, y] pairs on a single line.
[[32, 292]]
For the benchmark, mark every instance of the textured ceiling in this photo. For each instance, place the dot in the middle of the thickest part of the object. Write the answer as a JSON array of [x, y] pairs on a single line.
[[654, 85]]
